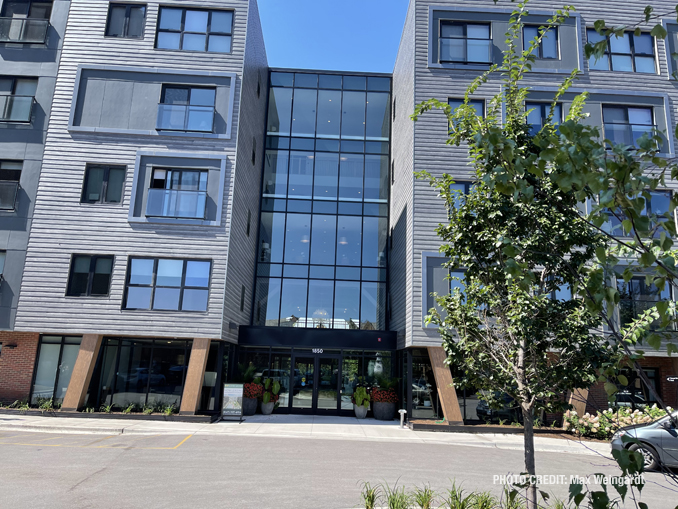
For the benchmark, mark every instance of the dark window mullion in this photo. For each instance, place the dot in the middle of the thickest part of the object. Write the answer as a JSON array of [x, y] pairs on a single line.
[[125, 23], [153, 286], [90, 276], [183, 285]]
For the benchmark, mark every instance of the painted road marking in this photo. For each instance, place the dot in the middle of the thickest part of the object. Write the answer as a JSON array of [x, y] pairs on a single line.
[[124, 445]]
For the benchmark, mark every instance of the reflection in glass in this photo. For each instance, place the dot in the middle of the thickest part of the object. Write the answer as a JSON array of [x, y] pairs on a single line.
[[326, 176], [275, 174], [267, 302], [303, 118], [301, 175], [373, 306], [297, 238], [169, 272], [351, 372], [351, 177], [328, 380], [302, 391], [374, 241], [353, 118], [46, 371], [329, 113], [376, 178], [320, 304], [323, 236], [378, 116], [280, 111], [346, 305], [348, 240], [271, 237], [280, 371], [293, 303], [141, 271]]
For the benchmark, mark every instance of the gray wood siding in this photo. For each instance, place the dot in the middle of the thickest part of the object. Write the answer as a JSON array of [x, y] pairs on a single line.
[[62, 226], [433, 155], [402, 156], [246, 188]]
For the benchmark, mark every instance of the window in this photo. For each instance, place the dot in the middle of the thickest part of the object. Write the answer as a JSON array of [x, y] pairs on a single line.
[[180, 194], [548, 47], [188, 109], [25, 21], [657, 205], [126, 20], [10, 176], [538, 114], [636, 394], [3, 257], [465, 43], [17, 96], [103, 184], [436, 281], [164, 284], [195, 30], [462, 188], [626, 124], [90, 276], [629, 53], [477, 104], [53, 367], [638, 296]]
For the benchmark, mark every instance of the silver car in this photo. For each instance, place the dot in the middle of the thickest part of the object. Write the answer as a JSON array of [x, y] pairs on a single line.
[[658, 442]]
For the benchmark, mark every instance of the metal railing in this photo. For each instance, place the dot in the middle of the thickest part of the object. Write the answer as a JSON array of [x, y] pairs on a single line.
[[8, 193], [16, 108], [174, 117], [176, 204], [24, 30]]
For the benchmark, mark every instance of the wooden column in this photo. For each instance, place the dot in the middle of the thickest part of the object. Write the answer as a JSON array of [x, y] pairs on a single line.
[[578, 400], [195, 376], [446, 391], [82, 372]]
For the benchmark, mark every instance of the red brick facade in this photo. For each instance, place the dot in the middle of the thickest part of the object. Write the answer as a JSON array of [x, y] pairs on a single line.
[[17, 360], [668, 391]]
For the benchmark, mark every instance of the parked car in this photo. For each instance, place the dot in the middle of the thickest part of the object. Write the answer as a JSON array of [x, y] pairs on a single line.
[[510, 411], [628, 399], [657, 442]]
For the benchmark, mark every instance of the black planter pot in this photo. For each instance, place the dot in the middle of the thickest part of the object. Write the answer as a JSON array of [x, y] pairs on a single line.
[[384, 411], [249, 406]]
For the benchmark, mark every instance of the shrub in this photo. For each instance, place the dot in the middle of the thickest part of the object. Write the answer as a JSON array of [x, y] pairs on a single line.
[[361, 397], [253, 390], [384, 395], [603, 425]]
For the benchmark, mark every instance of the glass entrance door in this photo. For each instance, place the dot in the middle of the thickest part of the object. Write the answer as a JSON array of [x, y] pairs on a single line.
[[315, 384]]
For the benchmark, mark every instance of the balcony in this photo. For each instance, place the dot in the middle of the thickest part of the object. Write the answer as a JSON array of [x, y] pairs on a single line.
[[16, 108], [176, 204], [627, 134], [23, 30], [465, 51], [186, 118], [8, 193]]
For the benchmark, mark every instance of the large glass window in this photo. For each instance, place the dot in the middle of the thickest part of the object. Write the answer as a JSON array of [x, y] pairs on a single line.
[[329, 113], [177, 194], [304, 112], [194, 30], [465, 43], [548, 47], [167, 284], [90, 276], [54, 366], [276, 164], [629, 53], [126, 20]]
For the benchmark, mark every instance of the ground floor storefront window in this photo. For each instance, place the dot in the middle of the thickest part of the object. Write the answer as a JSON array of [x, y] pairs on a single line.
[[54, 366], [140, 372]]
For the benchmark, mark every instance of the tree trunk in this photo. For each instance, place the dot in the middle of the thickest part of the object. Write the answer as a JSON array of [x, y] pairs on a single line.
[[528, 425]]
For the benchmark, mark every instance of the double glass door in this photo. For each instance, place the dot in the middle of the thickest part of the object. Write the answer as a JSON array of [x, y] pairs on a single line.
[[316, 384]]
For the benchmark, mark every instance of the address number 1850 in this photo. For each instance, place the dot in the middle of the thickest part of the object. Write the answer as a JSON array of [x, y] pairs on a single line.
[[317, 350]]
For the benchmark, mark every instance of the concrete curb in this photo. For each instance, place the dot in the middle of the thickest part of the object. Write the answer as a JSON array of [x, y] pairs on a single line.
[[61, 429]]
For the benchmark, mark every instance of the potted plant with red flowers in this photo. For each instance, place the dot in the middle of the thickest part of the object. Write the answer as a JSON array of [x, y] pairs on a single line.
[[385, 398], [269, 398], [361, 402]]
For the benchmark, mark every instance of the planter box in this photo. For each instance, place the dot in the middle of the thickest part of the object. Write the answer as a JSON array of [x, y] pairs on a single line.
[[267, 408], [384, 411], [249, 406], [360, 411]]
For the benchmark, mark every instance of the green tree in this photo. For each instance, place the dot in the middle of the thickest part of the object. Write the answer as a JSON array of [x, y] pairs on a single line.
[[519, 236]]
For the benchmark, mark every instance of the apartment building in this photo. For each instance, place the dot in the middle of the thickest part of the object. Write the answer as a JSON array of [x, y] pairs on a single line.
[[193, 212]]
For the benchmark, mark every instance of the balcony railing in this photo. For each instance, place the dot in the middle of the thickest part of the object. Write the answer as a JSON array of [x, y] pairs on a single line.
[[176, 204], [23, 30], [627, 134], [176, 117], [8, 192], [16, 108], [468, 51]]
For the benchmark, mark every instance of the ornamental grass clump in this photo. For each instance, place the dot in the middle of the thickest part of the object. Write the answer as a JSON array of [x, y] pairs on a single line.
[[603, 425]]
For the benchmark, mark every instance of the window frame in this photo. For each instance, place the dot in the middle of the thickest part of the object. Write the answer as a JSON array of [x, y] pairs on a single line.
[[104, 184], [90, 275], [465, 24], [539, 54], [609, 53], [128, 10], [153, 286], [182, 31]]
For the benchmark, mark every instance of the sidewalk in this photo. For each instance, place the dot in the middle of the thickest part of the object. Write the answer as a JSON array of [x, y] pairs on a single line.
[[297, 426]]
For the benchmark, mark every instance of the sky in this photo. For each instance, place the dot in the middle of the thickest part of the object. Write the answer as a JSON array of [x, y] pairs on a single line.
[[343, 35]]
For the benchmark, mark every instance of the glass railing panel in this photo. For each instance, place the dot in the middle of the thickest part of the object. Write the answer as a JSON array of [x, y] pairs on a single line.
[[16, 108], [176, 204], [627, 134], [23, 30], [8, 192], [173, 117]]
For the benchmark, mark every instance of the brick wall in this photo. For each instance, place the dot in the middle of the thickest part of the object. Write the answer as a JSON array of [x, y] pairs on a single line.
[[16, 365], [668, 391]]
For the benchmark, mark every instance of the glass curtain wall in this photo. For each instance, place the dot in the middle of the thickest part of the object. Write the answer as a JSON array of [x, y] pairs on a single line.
[[322, 252]]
